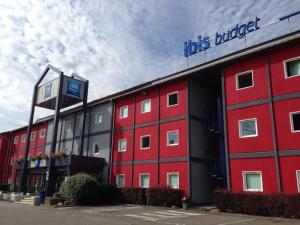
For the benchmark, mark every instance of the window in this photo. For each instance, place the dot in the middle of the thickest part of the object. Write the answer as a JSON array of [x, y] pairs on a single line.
[[173, 180], [12, 161], [252, 181], [120, 180], [172, 99], [16, 139], [96, 149], [122, 145], [98, 118], [298, 179], [32, 135], [295, 121], [146, 106], [42, 133], [124, 112], [292, 67], [144, 180], [145, 142], [248, 128], [172, 137], [68, 125], [244, 80], [48, 91], [24, 137]]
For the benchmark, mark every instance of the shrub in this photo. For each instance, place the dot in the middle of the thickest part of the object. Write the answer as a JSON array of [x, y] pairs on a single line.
[[4, 187], [258, 203], [80, 189], [133, 195]]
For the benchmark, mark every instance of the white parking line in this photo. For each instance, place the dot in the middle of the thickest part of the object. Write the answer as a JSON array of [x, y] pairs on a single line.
[[98, 210]]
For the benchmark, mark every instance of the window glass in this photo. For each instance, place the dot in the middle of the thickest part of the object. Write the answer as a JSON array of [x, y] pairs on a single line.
[[32, 136], [293, 68], [24, 137], [96, 148], [173, 181], [295, 121], [42, 133], [48, 90], [68, 125], [98, 118], [122, 145], [146, 106], [124, 111], [16, 139], [172, 99], [120, 181], [248, 128], [145, 142], [244, 80], [144, 180], [173, 137], [253, 182]]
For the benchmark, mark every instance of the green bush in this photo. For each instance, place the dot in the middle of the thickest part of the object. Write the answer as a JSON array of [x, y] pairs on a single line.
[[80, 189], [4, 187]]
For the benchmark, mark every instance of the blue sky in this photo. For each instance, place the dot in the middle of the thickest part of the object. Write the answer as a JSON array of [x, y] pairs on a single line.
[[114, 44]]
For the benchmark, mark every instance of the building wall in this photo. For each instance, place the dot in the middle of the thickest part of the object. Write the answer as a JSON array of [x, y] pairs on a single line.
[[5, 141]]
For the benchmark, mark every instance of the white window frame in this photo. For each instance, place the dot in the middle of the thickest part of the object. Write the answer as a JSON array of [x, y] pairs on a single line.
[[140, 180], [285, 67], [173, 173], [141, 141], [96, 115], [119, 141], [16, 139], [168, 103], [237, 80], [42, 133], [244, 173], [256, 128], [292, 123], [298, 180], [32, 135], [117, 176], [94, 145], [168, 144], [147, 100], [125, 106], [23, 137]]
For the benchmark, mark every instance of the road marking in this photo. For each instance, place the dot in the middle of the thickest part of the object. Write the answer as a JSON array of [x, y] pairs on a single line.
[[93, 211], [239, 221], [148, 218], [186, 213]]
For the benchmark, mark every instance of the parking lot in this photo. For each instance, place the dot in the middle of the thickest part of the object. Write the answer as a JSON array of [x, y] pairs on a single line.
[[15, 214]]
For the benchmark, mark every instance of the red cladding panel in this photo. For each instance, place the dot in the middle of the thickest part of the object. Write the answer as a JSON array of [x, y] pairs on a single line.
[[288, 167], [126, 170], [263, 142], [280, 84], [42, 140], [178, 167], [125, 155], [128, 121], [147, 116], [151, 153], [287, 139], [150, 169], [265, 165], [176, 110], [173, 151], [258, 91]]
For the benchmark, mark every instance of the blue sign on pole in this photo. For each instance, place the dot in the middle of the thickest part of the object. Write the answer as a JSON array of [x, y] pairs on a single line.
[[73, 88], [192, 47]]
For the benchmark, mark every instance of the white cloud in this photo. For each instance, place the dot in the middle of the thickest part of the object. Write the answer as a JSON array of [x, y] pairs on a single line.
[[114, 44]]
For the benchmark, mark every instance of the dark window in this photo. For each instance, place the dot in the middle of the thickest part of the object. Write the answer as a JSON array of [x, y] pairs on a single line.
[[293, 68], [244, 80], [296, 121], [173, 99], [96, 149], [145, 142]]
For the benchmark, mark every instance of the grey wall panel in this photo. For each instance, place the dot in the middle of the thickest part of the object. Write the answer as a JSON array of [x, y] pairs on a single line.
[[106, 111], [48, 149], [68, 121], [201, 183], [77, 145], [66, 147], [49, 131], [103, 142], [79, 120], [59, 129]]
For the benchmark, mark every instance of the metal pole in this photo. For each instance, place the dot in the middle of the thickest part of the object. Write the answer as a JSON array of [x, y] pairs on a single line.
[[86, 87]]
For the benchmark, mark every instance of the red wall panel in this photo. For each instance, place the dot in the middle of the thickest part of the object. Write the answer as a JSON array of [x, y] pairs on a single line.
[[126, 155], [179, 150], [126, 170], [128, 121], [181, 168], [151, 153], [177, 110], [40, 140], [263, 142], [148, 116], [258, 91], [150, 169], [288, 167], [281, 85], [287, 140], [265, 165]]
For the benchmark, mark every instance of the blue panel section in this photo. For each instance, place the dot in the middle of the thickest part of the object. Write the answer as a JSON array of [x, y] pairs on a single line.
[[73, 88]]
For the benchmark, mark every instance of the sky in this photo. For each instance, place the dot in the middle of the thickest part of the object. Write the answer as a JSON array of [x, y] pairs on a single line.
[[115, 44]]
